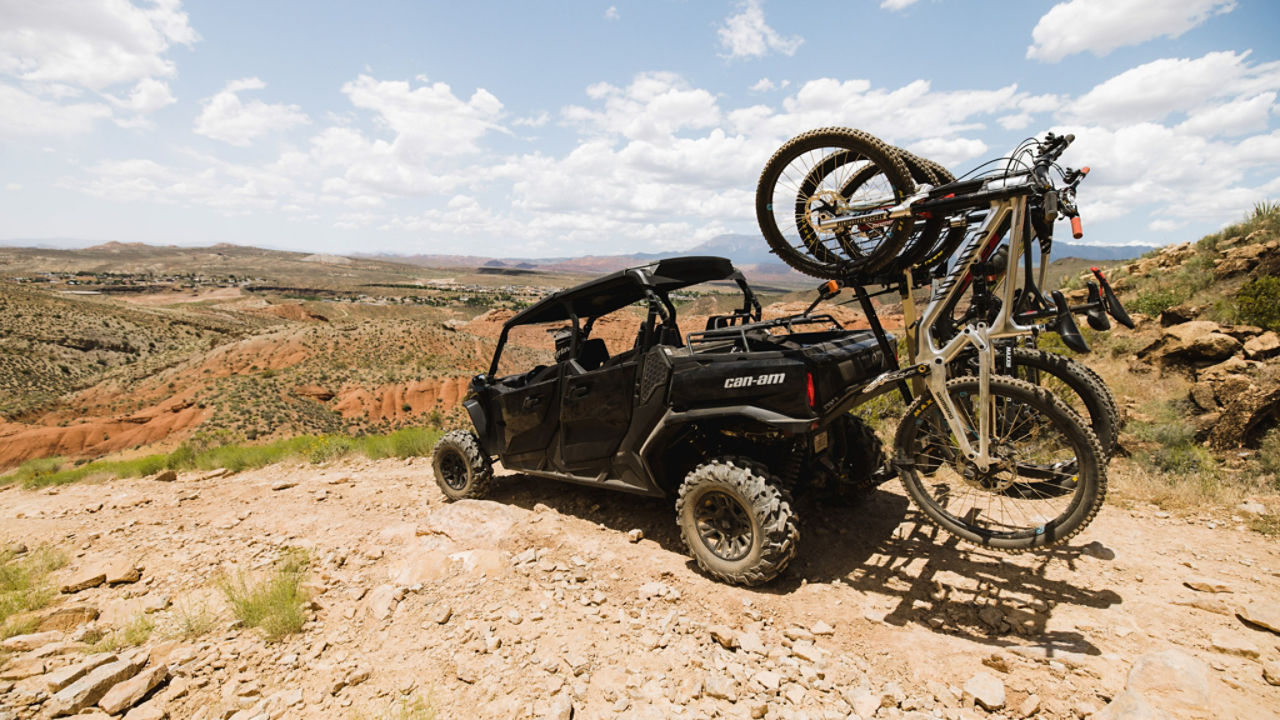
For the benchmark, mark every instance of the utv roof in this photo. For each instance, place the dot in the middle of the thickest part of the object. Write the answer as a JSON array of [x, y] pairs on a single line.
[[617, 290]]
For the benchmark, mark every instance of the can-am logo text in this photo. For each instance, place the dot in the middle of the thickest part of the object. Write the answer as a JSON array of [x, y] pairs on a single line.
[[754, 380]]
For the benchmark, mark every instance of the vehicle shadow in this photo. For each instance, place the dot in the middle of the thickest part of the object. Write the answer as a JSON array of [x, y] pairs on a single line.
[[887, 549], [882, 548]]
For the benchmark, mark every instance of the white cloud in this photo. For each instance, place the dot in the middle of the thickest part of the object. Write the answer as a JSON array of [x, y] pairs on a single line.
[[22, 113], [13, 187], [660, 163], [94, 44], [897, 4], [652, 107], [227, 118], [747, 35], [612, 13], [533, 120], [57, 51], [1100, 26], [146, 97], [428, 120], [1237, 117], [1015, 122], [1154, 90], [763, 85]]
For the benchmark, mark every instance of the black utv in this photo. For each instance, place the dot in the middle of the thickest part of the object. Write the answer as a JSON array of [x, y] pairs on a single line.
[[731, 420]]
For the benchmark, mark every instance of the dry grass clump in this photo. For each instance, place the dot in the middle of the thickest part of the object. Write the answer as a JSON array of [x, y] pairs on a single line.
[[275, 603], [25, 586], [405, 708], [191, 619], [137, 632]]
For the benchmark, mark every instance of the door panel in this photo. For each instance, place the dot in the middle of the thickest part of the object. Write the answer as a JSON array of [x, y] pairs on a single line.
[[529, 416], [595, 411]]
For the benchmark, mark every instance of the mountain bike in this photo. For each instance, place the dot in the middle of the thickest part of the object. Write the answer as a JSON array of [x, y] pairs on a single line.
[[992, 459]]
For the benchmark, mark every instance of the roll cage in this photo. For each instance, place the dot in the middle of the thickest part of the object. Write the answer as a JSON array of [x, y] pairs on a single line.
[[581, 305]]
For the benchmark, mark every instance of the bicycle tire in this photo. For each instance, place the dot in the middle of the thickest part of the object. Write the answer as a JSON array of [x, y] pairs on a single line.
[[1082, 391], [782, 190], [918, 434], [924, 235]]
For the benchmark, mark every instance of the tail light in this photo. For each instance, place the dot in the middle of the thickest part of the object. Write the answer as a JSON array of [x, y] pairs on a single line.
[[808, 386]]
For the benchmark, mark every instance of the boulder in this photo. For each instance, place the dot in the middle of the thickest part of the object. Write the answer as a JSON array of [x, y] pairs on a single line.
[[22, 668], [1179, 314], [122, 571], [469, 524], [65, 619], [165, 476], [30, 641], [1197, 341], [1263, 346], [1243, 414], [89, 689], [126, 694], [87, 577], [987, 691], [1262, 612], [422, 566], [59, 679], [382, 602], [1160, 685]]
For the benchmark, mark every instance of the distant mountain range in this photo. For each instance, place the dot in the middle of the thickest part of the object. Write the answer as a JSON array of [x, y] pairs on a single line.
[[749, 252]]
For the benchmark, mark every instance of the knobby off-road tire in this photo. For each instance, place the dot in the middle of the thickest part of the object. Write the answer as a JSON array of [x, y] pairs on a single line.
[[736, 521], [864, 458], [822, 163], [461, 468], [1038, 440], [1078, 387]]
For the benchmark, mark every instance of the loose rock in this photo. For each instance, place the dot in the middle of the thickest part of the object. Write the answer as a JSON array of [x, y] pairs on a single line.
[[1263, 613], [89, 689], [124, 695], [986, 690]]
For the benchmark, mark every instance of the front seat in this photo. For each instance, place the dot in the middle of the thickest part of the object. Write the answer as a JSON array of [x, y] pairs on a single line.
[[593, 354]]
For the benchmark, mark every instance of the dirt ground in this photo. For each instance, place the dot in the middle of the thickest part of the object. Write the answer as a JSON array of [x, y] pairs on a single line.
[[537, 603]]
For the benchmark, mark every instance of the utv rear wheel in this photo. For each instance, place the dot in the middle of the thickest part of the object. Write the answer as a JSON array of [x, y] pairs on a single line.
[[736, 522], [864, 463], [462, 469]]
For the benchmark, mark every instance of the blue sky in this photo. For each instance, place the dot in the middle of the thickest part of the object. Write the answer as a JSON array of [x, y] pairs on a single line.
[[546, 129]]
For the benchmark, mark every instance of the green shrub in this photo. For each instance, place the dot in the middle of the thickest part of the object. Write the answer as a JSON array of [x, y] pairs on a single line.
[[403, 443], [1258, 302], [1174, 437], [1269, 455], [24, 585], [1153, 302], [276, 603]]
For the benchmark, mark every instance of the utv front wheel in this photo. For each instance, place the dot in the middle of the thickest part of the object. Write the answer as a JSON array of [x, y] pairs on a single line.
[[462, 469], [736, 522]]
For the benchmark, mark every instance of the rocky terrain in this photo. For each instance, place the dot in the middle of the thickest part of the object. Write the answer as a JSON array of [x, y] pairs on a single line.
[[552, 601]]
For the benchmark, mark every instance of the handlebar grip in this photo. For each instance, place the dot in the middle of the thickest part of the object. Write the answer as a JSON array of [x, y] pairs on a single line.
[[1077, 229]]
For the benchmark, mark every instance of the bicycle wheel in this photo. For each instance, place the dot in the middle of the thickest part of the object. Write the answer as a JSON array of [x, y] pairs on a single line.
[[924, 233], [804, 185], [1075, 385], [1046, 484]]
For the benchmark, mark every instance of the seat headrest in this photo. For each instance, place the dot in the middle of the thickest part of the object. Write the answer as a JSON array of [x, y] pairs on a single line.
[[593, 354]]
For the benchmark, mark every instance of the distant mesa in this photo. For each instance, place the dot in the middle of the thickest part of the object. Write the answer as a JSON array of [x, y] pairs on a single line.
[[114, 246], [328, 259]]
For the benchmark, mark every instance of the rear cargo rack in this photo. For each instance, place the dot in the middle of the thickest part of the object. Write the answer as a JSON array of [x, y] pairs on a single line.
[[736, 335]]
